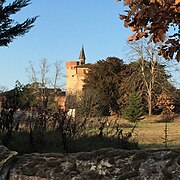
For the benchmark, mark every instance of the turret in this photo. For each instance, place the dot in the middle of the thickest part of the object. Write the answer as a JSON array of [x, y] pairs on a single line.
[[82, 57]]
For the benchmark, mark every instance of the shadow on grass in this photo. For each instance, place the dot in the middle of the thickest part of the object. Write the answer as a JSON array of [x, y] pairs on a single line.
[[50, 142]]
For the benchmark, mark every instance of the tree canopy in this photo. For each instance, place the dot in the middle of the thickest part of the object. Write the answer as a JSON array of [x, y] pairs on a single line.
[[109, 84], [135, 81], [157, 19], [9, 28], [103, 79]]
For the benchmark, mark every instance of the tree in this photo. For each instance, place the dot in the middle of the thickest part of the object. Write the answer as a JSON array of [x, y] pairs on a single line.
[[132, 81], [157, 19], [44, 68], [135, 80], [40, 81], [58, 73], [30, 97], [40, 76], [150, 68], [133, 111], [109, 83], [103, 79], [11, 98], [9, 28], [88, 105], [165, 102], [3, 89], [177, 102]]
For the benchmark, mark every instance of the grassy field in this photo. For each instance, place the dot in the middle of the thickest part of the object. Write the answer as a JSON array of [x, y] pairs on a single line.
[[150, 133]]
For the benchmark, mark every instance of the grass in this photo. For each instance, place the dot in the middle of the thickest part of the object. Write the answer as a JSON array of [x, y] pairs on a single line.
[[51, 143], [149, 133]]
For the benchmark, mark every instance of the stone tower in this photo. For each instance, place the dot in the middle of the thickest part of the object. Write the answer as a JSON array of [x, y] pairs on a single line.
[[75, 74]]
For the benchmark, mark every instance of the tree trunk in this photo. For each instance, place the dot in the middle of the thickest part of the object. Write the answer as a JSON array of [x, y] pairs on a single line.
[[149, 103]]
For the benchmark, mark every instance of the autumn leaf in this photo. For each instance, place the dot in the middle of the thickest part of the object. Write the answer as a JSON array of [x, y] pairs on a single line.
[[141, 34], [131, 38], [155, 38], [133, 28], [122, 17], [169, 41], [161, 35], [127, 2], [154, 17], [126, 23]]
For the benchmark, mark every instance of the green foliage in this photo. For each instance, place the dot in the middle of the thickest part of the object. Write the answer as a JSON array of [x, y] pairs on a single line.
[[109, 83], [177, 101], [9, 28], [102, 80], [133, 112], [88, 105], [133, 80], [29, 96], [12, 97]]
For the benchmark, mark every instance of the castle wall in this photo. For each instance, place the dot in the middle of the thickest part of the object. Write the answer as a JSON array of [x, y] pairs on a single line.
[[75, 75]]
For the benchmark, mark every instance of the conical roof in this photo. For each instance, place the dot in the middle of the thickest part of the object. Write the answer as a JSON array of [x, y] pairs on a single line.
[[82, 56]]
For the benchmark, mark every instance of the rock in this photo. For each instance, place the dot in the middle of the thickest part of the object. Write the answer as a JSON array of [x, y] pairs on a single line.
[[6, 160], [100, 164]]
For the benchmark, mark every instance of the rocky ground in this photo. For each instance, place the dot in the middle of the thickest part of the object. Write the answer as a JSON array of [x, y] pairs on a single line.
[[105, 164]]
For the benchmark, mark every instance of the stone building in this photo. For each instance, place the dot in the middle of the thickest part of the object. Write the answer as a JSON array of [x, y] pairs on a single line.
[[75, 74]]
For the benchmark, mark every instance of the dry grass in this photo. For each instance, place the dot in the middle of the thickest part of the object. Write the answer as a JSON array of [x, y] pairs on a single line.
[[150, 133]]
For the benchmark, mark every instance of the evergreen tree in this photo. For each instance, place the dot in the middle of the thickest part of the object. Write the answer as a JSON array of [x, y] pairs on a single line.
[[103, 80], [133, 112], [9, 28]]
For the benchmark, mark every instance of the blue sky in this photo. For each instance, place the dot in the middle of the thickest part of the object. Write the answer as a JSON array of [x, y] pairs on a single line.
[[59, 32]]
